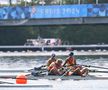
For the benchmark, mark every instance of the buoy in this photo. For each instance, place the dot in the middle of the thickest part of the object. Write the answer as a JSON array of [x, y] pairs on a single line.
[[21, 79]]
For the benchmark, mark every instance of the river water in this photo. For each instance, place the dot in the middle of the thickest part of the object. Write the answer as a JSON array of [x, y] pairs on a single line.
[[30, 62]]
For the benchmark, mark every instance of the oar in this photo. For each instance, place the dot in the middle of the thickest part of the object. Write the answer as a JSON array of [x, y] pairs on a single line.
[[96, 71], [40, 67], [59, 79], [3, 82], [94, 66], [39, 73], [36, 68], [30, 70]]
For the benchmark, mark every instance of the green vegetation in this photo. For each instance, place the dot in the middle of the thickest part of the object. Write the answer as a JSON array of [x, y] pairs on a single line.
[[51, 2], [71, 34]]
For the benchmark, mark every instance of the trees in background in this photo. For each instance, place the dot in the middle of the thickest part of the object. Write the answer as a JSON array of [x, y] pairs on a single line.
[[70, 34], [51, 2]]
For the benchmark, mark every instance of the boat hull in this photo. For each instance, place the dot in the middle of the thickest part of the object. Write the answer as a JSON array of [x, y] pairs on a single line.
[[53, 77]]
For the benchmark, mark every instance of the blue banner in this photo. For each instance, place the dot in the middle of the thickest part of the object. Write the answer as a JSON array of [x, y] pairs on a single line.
[[98, 10], [58, 11], [54, 11], [14, 12]]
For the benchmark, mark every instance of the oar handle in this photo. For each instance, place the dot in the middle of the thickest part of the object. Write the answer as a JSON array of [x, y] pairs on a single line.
[[65, 73]]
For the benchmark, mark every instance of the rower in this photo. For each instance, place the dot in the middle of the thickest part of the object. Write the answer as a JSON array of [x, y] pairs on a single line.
[[70, 61], [75, 69], [51, 59], [55, 68]]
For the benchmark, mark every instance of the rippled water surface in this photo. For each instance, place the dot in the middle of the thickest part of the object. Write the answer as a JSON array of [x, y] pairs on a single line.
[[30, 62]]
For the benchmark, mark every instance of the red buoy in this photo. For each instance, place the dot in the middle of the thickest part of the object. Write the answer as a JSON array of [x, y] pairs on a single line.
[[21, 79]]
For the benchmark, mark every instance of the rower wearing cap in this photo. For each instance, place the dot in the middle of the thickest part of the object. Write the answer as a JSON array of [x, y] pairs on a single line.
[[55, 68], [76, 69], [51, 59]]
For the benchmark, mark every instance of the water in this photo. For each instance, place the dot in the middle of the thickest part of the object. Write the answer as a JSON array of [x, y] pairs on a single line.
[[30, 62]]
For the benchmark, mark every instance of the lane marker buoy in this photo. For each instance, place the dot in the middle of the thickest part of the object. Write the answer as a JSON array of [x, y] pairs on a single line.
[[21, 79]]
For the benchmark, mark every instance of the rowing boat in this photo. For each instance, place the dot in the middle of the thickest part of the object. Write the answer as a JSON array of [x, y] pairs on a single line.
[[73, 77], [52, 77], [90, 76], [42, 73], [55, 77]]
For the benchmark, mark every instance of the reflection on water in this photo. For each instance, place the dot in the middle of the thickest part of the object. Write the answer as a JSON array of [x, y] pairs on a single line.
[[30, 62]]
